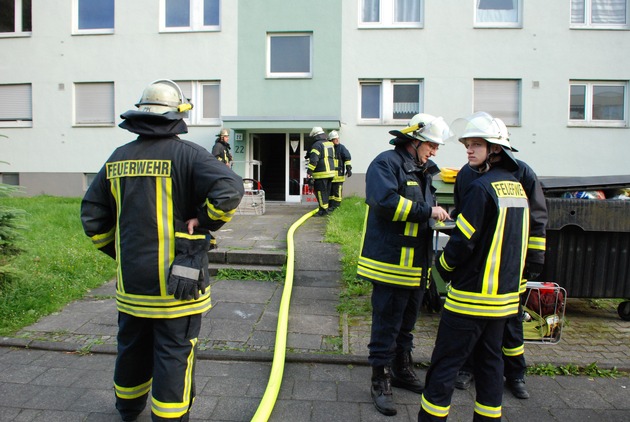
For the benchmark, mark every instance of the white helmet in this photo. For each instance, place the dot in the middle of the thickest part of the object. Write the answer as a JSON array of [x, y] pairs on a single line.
[[333, 135], [163, 96], [483, 125], [425, 128], [316, 131]]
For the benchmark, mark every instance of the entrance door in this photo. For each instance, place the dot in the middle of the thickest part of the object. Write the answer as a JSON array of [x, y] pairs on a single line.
[[269, 149]]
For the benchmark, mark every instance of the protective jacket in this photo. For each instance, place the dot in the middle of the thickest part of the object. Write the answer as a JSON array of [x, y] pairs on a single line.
[[221, 150], [485, 255], [321, 162], [145, 190], [536, 245], [342, 162], [396, 245]]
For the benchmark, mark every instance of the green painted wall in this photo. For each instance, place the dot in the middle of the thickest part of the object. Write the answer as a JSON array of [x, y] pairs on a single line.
[[317, 96]]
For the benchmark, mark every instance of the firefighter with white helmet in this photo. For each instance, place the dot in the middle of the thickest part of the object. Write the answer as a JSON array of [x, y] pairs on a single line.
[[482, 263], [343, 165], [321, 168], [221, 148], [396, 250], [513, 342], [152, 207]]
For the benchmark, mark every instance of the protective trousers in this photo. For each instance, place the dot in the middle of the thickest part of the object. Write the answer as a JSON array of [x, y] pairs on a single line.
[[458, 336], [394, 315], [335, 194], [156, 355], [322, 192], [514, 348]]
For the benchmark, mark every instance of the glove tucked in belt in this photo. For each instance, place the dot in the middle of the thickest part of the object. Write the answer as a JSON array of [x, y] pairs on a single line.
[[189, 271]]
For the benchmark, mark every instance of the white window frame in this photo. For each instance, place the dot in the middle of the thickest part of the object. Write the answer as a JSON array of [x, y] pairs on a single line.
[[290, 75], [17, 21], [387, 16], [588, 120], [97, 98], [97, 31], [196, 18], [386, 105], [499, 24], [16, 101], [588, 24], [193, 91], [498, 97]]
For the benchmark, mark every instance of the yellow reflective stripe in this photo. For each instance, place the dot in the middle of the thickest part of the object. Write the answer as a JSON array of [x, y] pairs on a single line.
[[315, 151], [217, 214], [402, 210], [114, 186], [481, 310], [128, 393], [311, 167], [407, 253], [176, 410], [388, 278], [434, 409], [406, 271], [165, 230], [490, 283], [172, 308], [444, 264], [538, 243], [464, 226], [183, 235], [103, 239], [482, 298], [488, 411], [523, 286], [515, 351]]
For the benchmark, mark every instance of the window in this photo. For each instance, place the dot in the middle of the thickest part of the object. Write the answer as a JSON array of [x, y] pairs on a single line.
[[389, 101], [498, 13], [94, 104], [12, 179], [500, 98], [611, 14], [390, 13], [598, 103], [88, 178], [190, 15], [16, 105], [15, 17], [206, 99], [289, 55], [94, 16]]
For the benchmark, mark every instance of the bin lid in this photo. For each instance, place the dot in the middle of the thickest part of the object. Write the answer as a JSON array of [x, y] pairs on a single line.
[[561, 184]]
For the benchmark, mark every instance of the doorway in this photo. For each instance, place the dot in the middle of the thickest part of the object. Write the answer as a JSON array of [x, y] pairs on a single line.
[[270, 150]]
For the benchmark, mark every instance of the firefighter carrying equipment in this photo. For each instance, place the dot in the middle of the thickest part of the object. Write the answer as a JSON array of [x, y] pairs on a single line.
[[189, 272]]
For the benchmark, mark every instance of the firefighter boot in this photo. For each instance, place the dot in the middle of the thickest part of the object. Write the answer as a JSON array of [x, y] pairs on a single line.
[[517, 387], [403, 375], [382, 391]]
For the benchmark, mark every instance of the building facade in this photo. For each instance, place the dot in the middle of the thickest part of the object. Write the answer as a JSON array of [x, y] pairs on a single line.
[[556, 72]]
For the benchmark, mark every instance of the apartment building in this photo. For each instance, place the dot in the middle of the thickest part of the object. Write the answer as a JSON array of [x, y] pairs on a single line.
[[556, 72]]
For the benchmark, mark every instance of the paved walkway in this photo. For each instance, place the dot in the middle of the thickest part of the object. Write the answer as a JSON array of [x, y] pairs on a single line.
[[61, 368]]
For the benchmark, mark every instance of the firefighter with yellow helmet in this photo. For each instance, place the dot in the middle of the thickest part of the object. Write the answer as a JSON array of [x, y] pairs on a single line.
[[396, 250], [482, 264], [151, 208]]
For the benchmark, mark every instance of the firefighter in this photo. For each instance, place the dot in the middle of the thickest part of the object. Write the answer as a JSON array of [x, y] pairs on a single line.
[[152, 207], [343, 165], [513, 342], [321, 168], [221, 148], [482, 261], [396, 251]]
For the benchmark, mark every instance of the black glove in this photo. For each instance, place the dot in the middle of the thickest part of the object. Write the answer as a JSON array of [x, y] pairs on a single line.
[[349, 171], [532, 271], [311, 182], [189, 271]]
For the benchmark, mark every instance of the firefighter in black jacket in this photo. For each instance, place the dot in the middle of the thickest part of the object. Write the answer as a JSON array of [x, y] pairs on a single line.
[[343, 164], [321, 168], [221, 148], [513, 342], [396, 251], [151, 207], [483, 262]]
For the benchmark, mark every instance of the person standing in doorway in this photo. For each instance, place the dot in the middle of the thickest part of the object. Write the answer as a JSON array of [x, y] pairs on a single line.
[[321, 168], [151, 207], [343, 165], [396, 251]]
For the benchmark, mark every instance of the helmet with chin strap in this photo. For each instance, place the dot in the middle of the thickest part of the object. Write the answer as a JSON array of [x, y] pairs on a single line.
[[423, 127]]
